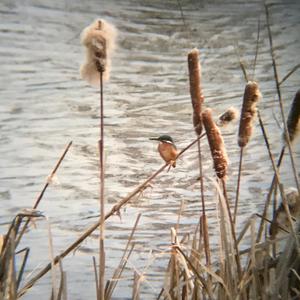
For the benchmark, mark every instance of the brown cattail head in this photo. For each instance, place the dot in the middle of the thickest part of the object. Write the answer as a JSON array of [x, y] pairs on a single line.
[[195, 88], [99, 40], [293, 121], [216, 144], [251, 97], [229, 115]]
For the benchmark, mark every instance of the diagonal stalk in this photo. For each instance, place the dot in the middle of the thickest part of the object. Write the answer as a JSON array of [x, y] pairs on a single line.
[[40, 196]]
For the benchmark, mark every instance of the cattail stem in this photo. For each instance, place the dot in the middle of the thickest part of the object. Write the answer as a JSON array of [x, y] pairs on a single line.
[[284, 201], [256, 49], [286, 132], [292, 126], [268, 200], [96, 277], [237, 257], [238, 186], [203, 219], [101, 202]]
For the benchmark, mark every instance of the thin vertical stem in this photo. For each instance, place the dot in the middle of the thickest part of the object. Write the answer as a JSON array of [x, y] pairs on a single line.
[[268, 200], [102, 212], [238, 186], [204, 219], [256, 49], [22, 268], [96, 276], [280, 98], [237, 257], [284, 201]]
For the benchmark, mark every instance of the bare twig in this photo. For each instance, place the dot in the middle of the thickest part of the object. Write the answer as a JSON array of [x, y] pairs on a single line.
[[289, 74], [40, 196]]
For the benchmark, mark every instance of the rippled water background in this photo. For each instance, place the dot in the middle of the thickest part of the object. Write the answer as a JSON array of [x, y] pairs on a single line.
[[45, 104]]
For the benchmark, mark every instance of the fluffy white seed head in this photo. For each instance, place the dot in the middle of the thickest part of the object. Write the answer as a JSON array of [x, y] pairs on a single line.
[[99, 41]]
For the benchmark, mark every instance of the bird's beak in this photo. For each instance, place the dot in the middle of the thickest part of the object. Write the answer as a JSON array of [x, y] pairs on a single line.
[[154, 139]]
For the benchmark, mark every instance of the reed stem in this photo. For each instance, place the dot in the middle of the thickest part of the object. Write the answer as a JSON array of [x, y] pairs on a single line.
[[238, 186], [40, 196], [280, 98], [204, 219], [268, 200], [96, 277], [284, 201], [237, 258], [22, 268], [101, 202]]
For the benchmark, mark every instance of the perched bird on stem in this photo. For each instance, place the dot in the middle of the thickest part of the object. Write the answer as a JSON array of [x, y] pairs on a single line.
[[167, 149]]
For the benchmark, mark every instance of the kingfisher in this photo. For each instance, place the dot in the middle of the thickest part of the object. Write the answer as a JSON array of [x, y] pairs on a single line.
[[167, 149]]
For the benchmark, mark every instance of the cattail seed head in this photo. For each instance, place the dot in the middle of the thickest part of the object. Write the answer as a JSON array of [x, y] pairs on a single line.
[[293, 121], [99, 40], [216, 144], [251, 97], [195, 88], [228, 116]]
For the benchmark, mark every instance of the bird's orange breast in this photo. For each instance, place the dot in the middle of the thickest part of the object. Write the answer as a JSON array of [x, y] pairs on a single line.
[[168, 152]]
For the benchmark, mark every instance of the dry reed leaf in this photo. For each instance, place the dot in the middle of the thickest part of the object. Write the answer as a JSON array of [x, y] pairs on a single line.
[[195, 88], [287, 260], [99, 40], [1, 242], [217, 278], [216, 144], [293, 121], [251, 97], [136, 286], [228, 271]]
